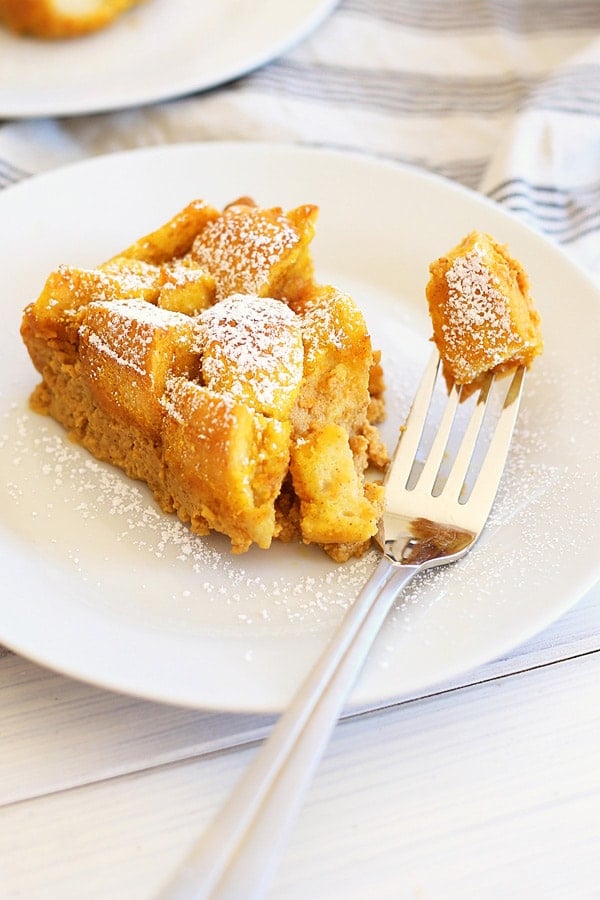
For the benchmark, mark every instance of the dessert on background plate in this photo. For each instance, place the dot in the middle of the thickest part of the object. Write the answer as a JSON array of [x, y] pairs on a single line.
[[55, 19]]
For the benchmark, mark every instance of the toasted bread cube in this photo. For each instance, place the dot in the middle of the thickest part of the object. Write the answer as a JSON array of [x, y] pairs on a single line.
[[135, 278], [175, 238], [258, 251], [334, 505], [224, 463], [252, 349], [186, 288], [67, 289], [337, 360], [50, 323], [126, 349], [481, 310]]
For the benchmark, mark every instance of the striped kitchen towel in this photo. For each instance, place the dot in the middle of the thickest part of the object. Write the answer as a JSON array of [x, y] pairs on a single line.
[[502, 96]]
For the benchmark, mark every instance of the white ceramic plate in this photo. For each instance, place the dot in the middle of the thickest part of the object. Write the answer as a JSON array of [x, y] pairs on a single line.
[[161, 49], [98, 584]]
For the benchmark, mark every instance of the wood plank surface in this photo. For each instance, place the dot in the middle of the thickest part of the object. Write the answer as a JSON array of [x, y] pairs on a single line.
[[495, 784], [58, 733]]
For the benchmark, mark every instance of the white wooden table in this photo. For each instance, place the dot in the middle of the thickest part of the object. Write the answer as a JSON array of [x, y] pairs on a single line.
[[486, 788]]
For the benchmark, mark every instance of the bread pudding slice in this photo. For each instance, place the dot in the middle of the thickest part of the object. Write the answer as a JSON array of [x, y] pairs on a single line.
[[205, 360], [61, 18], [481, 310]]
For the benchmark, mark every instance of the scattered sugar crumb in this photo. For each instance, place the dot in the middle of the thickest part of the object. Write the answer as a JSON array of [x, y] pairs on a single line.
[[257, 595]]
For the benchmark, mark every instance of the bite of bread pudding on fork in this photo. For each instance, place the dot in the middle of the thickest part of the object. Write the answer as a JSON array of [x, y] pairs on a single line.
[[481, 310]]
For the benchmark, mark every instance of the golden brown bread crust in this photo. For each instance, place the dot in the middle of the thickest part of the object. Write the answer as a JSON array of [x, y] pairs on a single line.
[[481, 310], [46, 19], [249, 413], [258, 251]]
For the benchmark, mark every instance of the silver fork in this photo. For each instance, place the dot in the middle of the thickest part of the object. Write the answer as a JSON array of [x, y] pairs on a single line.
[[435, 510]]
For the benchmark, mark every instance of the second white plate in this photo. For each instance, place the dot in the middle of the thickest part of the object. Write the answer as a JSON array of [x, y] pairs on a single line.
[[159, 50], [97, 583]]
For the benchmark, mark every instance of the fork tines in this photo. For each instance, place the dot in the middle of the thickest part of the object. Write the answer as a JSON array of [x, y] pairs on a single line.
[[455, 441]]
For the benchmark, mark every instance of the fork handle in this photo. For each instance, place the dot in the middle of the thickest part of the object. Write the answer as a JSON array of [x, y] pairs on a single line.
[[237, 854]]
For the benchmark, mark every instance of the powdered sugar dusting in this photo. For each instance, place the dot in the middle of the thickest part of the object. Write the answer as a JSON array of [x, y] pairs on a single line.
[[111, 529], [128, 330], [252, 348], [182, 397], [241, 247], [476, 307], [325, 325], [135, 310], [108, 284]]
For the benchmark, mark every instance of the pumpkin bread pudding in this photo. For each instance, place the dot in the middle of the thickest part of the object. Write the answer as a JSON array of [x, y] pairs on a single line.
[[206, 360], [481, 310]]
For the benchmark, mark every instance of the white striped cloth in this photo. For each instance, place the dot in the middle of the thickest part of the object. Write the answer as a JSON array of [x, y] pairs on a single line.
[[502, 96]]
